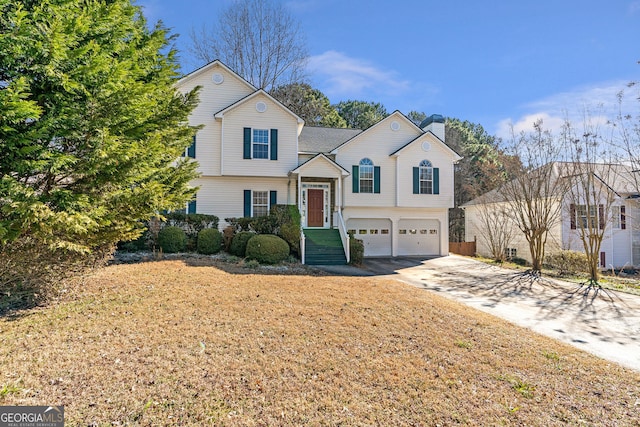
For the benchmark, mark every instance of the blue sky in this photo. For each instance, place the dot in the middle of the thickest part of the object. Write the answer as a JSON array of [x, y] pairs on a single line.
[[487, 61]]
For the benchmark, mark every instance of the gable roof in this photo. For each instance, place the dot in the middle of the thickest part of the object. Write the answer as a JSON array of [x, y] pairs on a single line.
[[315, 139], [451, 151], [618, 178], [208, 67], [322, 156], [258, 92], [396, 114]]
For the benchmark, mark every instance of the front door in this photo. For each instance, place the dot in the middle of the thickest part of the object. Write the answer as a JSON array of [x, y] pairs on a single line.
[[315, 213]]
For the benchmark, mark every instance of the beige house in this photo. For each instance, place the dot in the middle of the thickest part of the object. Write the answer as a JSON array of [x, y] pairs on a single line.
[[616, 214], [390, 185]]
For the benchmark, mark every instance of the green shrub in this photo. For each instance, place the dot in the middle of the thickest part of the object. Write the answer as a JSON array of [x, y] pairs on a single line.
[[239, 243], [267, 249], [227, 237], [519, 261], [356, 251], [288, 218], [172, 239], [209, 241], [567, 262]]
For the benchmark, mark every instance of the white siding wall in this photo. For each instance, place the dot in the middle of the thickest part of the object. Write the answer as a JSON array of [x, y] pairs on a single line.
[[213, 98], [245, 115], [224, 196], [377, 144], [616, 243], [440, 157]]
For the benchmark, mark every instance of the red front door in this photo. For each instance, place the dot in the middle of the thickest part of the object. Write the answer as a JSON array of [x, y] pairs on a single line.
[[315, 211]]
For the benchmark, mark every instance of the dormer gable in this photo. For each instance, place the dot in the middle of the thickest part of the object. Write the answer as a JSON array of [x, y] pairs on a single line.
[[395, 122], [218, 71]]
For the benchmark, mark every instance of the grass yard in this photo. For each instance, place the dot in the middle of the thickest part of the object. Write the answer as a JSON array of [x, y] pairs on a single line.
[[194, 343]]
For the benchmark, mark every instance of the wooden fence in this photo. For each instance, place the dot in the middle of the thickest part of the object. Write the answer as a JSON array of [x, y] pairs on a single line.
[[463, 248]]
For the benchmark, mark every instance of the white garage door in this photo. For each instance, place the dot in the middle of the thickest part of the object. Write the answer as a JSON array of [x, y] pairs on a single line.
[[418, 237], [374, 233]]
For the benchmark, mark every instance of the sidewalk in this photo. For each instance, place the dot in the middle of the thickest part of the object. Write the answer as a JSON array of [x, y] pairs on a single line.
[[603, 322]]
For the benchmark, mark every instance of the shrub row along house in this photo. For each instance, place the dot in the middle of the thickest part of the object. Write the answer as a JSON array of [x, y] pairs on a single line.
[[584, 203], [390, 185]]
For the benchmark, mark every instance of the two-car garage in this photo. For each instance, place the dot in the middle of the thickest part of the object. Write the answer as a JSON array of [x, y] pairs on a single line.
[[413, 237]]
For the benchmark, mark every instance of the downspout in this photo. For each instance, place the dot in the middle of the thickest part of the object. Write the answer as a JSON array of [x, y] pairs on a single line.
[[222, 147]]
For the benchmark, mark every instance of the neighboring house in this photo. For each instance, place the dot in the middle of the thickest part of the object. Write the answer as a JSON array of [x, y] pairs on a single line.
[[619, 201], [390, 185]]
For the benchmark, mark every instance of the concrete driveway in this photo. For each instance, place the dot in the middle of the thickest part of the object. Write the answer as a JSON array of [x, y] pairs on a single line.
[[602, 322]]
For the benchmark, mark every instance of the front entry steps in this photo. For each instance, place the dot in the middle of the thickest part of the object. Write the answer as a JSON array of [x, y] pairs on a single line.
[[323, 247]]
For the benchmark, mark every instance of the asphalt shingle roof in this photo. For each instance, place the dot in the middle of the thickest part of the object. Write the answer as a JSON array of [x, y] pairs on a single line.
[[323, 140]]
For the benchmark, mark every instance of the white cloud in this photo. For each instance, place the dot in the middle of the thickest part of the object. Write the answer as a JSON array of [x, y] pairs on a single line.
[[344, 77], [585, 106]]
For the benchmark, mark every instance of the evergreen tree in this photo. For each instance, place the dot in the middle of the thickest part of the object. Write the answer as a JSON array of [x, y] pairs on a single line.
[[91, 128]]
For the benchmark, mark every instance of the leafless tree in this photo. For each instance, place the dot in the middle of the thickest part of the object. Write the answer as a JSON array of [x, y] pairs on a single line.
[[259, 39], [593, 188], [533, 197]]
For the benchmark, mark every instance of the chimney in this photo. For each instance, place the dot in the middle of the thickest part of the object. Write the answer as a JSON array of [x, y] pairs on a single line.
[[435, 124]]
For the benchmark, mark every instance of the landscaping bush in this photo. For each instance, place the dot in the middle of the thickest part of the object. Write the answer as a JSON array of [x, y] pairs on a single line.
[[288, 220], [227, 237], [209, 241], [519, 261], [267, 249], [172, 239], [356, 251], [239, 243], [567, 262]]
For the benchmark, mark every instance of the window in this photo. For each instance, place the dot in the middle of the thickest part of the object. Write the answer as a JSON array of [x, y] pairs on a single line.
[[260, 144], [426, 178], [510, 253], [362, 231], [586, 217], [260, 203], [366, 176], [618, 217]]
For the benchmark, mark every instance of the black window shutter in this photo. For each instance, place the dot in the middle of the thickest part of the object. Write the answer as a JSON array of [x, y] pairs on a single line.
[[572, 214], [273, 199], [191, 151], [376, 179], [191, 207], [247, 203], [601, 216], [355, 176], [274, 144], [246, 152], [436, 180], [416, 180], [623, 218]]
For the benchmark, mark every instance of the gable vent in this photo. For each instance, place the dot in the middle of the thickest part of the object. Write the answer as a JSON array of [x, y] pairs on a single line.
[[217, 78], [261, 107]]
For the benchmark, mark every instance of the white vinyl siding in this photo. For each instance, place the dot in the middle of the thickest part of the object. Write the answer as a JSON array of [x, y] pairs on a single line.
[[245, 116]]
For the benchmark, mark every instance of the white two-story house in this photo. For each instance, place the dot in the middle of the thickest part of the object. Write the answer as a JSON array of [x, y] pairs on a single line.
[[391, 185]]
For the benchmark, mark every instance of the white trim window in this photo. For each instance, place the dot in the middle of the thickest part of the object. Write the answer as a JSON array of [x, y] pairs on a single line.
[[260, 143], [366, 175], [426, 177], [260, 203]]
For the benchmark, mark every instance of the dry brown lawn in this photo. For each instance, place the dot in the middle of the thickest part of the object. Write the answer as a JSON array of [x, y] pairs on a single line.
[[176, 343]]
